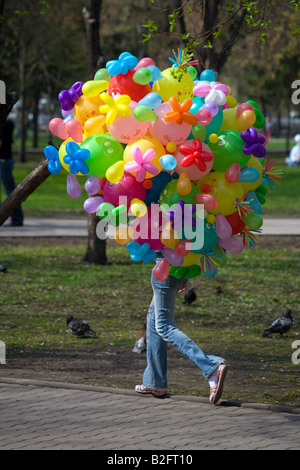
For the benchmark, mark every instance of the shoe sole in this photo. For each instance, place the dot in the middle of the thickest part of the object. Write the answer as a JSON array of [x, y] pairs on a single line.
[[153, 392], [219, 391]]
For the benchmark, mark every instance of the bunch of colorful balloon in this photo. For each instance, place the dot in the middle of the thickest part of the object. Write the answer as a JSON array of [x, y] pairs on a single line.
[[156, 145]]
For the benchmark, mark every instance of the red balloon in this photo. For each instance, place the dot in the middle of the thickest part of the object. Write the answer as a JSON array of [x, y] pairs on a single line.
[[236, 223], [124, 85], [161, 271]]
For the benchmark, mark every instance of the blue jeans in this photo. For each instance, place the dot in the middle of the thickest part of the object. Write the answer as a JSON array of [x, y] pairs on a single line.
[[161, 329], [7, 179]]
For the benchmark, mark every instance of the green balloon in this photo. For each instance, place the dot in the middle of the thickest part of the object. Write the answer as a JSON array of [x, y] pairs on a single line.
[[144, 114], [253, 220], [169, 196], [199, 132], [102, 74], [228, 150], [105, 151], [142, 76]]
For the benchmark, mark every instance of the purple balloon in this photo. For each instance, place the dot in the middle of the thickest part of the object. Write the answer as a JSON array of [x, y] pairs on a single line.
[[92, 204], [93, 185], [172, 257], [212, 107], [73, 187]]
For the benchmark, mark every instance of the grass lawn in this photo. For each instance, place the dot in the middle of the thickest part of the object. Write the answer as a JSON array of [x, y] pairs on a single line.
[[45, 283]]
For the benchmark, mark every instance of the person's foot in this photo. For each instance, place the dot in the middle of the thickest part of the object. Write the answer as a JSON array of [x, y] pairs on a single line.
[[216, 382], [2, 268], [157, 392]]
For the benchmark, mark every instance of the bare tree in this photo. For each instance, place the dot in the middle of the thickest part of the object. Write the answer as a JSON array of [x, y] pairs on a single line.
[[96, 249]]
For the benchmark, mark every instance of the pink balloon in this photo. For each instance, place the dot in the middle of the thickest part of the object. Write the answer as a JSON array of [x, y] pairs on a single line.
[[74, 129], [181, 247], [58, 127], [73, 187], [232, 244], [167, 132], [209, 201], [223, 227], [233, 173], [124, 191], [145, 62], [129, 128], [91, 205], [192, 171], [161, 271], [204, 117]]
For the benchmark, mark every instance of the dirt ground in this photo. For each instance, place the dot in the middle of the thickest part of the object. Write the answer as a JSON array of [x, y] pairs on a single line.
[[116, 367]]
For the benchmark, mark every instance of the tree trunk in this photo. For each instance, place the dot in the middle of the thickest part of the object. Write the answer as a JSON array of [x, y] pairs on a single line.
[[23, 190], [96, 250]]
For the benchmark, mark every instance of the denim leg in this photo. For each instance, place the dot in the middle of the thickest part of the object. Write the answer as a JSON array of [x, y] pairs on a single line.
[[162, 329], [155, 374]]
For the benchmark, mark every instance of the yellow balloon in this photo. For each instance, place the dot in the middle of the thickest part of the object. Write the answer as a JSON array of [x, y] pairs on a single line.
[[254, 163], [138, 207], [169, 236], [145, 143], [115, 172], [94, 87], [225, 193], [245, 120], [184, 185], [94, 125], [86, 108], [230, 121], [169, 85], [123, 235], [191, 258]]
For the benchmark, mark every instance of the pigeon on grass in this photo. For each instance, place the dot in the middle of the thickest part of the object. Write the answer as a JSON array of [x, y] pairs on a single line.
[[79, 327], [190, 296], [281, 325]]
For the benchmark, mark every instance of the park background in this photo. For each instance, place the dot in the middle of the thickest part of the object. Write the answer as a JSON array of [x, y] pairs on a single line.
[[46, 47]]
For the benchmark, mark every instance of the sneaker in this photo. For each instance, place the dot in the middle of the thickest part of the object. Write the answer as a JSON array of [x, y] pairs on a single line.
[[157, 392], [216, 382]]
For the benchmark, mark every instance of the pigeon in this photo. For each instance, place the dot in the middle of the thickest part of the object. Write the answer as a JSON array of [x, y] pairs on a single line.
[[140, 344], [79, 327], [189, 296], [281, 325]]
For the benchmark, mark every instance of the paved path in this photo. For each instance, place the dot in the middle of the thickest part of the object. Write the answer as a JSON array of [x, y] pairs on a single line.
[[45, 227], [39, 416]]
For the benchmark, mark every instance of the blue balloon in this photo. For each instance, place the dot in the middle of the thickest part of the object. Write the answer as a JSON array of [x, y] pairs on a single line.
[[208, 75], [249, 175], [156, 73], [159, 182], [168, 162], [151, 100], [255, 205]]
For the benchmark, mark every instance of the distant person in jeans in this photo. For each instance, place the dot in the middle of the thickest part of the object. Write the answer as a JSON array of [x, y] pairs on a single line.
[[6, 168]]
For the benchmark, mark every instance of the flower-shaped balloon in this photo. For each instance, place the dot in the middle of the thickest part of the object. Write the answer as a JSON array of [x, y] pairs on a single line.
[[54, 165], [195, 154], [180, 112], [212, 91], [125, 62], [69, 97], [254, 143], [75, 158], [141, 163], [118, 106]]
